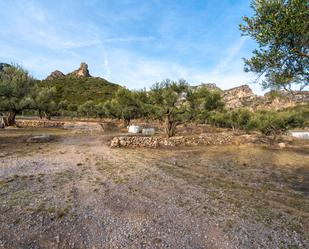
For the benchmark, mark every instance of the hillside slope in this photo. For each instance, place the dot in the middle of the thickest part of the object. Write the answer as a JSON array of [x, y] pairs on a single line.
[[77, 88]]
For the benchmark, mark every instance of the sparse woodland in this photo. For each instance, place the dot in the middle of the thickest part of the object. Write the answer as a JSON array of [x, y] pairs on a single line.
[[281, 62], [211, 168]]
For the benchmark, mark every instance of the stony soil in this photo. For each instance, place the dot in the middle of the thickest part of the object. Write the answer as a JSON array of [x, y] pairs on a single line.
[[77, 192]]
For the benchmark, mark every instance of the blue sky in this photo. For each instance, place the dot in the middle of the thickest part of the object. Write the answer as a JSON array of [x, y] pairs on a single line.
[[131, 42]]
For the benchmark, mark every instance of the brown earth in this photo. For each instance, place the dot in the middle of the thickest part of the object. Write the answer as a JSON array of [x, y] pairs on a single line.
[[77, 192]]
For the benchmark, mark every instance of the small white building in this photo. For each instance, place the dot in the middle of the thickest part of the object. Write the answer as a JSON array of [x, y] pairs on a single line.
[[135, 129], [300, 134], [148, 131]]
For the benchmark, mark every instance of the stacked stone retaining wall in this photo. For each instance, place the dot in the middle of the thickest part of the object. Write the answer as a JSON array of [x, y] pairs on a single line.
[[39, 124], [152, 142]]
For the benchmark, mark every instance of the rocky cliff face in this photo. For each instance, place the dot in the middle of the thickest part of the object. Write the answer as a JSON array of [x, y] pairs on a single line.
[[277, 100], [82, 71], [238, 97], [242, 96]]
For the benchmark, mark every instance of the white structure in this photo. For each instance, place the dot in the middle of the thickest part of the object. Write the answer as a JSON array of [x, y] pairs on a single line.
[[300, 134], [148, 131], [2, 125], [134, 129]]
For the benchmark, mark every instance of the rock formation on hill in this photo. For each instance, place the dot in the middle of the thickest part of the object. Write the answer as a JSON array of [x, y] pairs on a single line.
[[238, 96], [55, 75], [82, 71], [209, 86], [3, 65]]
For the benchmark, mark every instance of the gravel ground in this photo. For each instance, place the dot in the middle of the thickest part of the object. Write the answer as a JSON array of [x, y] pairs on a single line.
[[77, 192]]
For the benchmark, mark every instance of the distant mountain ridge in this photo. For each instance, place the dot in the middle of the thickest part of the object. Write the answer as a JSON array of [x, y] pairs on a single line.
[[243, 97]]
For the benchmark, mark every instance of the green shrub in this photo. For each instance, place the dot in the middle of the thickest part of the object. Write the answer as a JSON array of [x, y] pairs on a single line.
[[270, 123], [221, 119], [241, 118]]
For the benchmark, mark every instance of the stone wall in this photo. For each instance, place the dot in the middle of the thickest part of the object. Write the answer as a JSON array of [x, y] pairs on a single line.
[[25, 123], [70, 125], [152, 142]]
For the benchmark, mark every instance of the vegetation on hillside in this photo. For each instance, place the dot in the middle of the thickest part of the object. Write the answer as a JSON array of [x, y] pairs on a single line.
[[78, 90]]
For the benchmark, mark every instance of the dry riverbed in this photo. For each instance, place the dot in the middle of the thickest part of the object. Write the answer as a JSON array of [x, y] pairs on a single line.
[[77, 192]]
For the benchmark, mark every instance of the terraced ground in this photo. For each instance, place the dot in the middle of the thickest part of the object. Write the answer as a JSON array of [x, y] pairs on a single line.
[[77, 192]]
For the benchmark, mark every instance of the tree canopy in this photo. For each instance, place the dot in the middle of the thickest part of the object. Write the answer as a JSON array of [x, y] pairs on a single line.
[[16, 86], [281, 30], [202, 101], [44, 101], [168, 104]]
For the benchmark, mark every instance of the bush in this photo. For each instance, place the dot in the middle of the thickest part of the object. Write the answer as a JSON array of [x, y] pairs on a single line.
[[221, 119], [237, 119], [241, 118], [269, 123]]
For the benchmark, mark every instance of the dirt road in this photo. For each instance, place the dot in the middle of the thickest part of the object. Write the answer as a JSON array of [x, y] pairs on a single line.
[[76, 192]]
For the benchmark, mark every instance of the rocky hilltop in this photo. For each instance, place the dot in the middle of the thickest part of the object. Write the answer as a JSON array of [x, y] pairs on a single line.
[[82, 71], [55, 75], [238, 96], [209, 86], [243, 96], [3, 65], [79, 86]]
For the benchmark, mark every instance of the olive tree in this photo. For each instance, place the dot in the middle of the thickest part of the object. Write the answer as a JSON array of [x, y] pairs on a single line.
[[125, 105], [202, 101], [100, 110], [88, 108], [16, 86], [168, 99], [63, 107], [44, 101], [281, 30]]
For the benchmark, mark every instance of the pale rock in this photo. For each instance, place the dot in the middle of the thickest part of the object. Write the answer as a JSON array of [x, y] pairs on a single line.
[[39, 139], [281, 145]]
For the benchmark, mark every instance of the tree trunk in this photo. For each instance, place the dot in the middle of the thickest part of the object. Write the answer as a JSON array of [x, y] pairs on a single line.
[[9, 120], [170, 126], [126, 122], [273, 139], [47, 115]]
